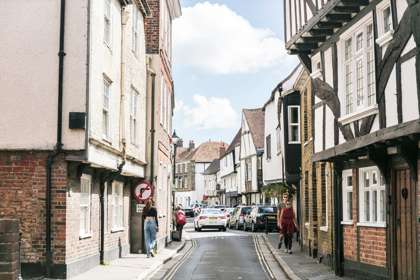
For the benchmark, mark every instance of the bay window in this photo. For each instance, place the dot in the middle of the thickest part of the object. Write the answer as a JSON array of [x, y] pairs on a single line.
[[371, 197], [294, 124], [358, 71]]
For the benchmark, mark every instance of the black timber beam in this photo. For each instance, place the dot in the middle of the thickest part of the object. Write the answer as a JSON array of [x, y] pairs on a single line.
[[314, 39], [296, 51], [322, 31], [354, 2], [329, 25], [408, 149], [346, 9], [306, 46], [338, 17]]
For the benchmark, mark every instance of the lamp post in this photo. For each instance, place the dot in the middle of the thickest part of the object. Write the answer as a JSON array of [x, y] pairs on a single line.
[[175, 141]]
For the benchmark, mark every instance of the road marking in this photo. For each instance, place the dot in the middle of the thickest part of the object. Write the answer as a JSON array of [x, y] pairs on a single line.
[[261, 257], [172, 271]]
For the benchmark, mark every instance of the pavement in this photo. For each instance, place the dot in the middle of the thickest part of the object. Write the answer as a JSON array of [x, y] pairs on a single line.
[[133, 266], [298, 265]]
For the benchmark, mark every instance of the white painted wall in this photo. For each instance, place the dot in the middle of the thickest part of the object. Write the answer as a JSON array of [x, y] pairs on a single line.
[[29, 72], [272, 168], [248, 151], [409, 97]]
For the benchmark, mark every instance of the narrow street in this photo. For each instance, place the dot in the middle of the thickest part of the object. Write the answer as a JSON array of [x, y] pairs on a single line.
[[223, 255]]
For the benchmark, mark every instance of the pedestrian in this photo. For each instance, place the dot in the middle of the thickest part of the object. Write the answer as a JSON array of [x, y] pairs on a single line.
[[288, 226], [180, 220], [151, 226], [282, 204]]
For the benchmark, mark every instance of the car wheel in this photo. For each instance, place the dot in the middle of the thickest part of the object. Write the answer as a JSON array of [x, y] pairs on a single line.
[[224, 229]]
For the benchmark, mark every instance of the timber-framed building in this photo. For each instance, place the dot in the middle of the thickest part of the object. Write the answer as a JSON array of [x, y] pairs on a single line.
[[363, 57]]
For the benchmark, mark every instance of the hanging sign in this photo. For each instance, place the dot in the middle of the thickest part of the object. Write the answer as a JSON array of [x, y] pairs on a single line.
[[143, 192]]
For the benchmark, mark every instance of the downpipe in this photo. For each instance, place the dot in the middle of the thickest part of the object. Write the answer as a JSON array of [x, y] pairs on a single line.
[[58, 147]]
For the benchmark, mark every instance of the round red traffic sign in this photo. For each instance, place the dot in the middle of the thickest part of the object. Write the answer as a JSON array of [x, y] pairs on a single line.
[[143, 192]]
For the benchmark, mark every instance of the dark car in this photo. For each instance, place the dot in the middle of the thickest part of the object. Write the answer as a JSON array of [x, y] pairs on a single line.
[[261, 217], [189, 212], [237, 218]]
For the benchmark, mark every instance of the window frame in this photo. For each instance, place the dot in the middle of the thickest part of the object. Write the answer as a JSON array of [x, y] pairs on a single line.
[[290, 125], [108, 22], [117, 205], [86, 230], [268, 146], [358, 89], [135, 31], [106, 109], [346, 190], [378, 188], [134, 104]]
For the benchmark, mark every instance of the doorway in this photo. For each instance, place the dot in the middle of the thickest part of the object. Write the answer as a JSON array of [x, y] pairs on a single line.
[[405, 225]]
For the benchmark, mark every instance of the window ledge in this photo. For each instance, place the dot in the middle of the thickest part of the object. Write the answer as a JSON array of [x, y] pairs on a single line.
[[367, 224], [348, 223], [372, 110], [316, 74], [85, 236], [115, 230], [385, 38], [324, 228]]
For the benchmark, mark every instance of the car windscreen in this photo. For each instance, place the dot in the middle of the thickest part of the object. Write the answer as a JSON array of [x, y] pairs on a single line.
[[211, 212], [246, 210], [267, 210]]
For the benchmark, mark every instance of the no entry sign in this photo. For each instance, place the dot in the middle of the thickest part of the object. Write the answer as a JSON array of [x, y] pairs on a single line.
[[143, 192]]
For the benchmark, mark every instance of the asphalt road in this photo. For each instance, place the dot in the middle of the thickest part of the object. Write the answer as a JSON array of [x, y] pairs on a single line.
[[220, 255]]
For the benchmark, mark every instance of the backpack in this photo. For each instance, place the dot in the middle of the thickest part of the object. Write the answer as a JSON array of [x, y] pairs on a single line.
[[180, 218]]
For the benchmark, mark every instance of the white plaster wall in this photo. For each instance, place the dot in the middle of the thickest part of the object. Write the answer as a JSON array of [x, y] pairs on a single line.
[[199, 180], [226, 169], [29, 72], [328, 67], [318, 130], [391, 100], [329, 129], [409, 96], [401, 7], [272, 167]]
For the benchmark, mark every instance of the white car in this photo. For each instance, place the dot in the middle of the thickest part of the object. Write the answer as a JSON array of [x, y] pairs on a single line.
[[210, 218]]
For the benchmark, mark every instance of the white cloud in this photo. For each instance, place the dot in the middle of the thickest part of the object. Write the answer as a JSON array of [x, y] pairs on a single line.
[[214, 38], [207, 113]]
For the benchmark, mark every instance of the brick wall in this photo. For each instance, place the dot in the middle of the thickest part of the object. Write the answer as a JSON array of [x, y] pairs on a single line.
[[372, 246], [152, 26], [349, 243], [22, 189], [9, 249]]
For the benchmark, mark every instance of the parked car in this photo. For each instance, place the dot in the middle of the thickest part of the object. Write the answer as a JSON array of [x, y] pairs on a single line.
[[228, 212], [189, 212], [210, 218], [261, 217], [237, 218]]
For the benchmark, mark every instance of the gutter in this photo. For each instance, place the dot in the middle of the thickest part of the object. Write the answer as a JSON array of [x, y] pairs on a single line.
[[58, 146], [152, 128]]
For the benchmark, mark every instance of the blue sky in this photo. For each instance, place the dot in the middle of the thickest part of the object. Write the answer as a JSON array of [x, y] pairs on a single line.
[[228, 55]]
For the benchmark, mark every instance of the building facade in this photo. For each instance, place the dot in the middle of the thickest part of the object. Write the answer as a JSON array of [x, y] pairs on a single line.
[[251, 152], [230, 171], [72, 147], [363, 58], [160, 105], [212, 186]]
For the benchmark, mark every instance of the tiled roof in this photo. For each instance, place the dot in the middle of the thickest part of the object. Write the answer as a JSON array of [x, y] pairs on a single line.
[[255, 120], [213, 168], [207, 151], [235, 142]]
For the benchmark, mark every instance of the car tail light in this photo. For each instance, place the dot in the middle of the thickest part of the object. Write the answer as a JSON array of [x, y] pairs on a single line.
[[203, 217]]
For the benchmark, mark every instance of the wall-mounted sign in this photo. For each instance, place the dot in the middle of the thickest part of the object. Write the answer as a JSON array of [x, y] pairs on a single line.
[[143, 192], [139, 208]]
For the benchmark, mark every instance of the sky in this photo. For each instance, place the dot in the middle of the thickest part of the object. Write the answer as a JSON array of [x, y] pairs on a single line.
[[227, 55]]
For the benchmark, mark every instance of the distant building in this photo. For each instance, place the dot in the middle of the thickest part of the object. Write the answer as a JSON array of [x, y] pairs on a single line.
[[230, 175], [252, 149], [212, 186], [190, 166]]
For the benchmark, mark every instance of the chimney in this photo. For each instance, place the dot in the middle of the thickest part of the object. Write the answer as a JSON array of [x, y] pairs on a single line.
[[191, 145], [222, 150]]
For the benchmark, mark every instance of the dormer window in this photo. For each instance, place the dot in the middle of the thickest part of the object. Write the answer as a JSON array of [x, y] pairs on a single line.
[[387, 19], [385, 24]]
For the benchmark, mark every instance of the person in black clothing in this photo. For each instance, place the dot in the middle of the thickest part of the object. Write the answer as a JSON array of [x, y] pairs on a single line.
[[151, 226]]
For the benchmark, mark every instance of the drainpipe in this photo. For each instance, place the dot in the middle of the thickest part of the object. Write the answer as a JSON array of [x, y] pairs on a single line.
[[58, 146], [152, 129]]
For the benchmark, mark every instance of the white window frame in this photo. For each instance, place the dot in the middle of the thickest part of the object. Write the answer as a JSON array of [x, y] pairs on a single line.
[[384, 37], [135, 30], [357, 89], [85, 206], [134, 104], [347, 190], [117, 206], [290, 124], [108, 23], [106, 109], [378, 186]]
